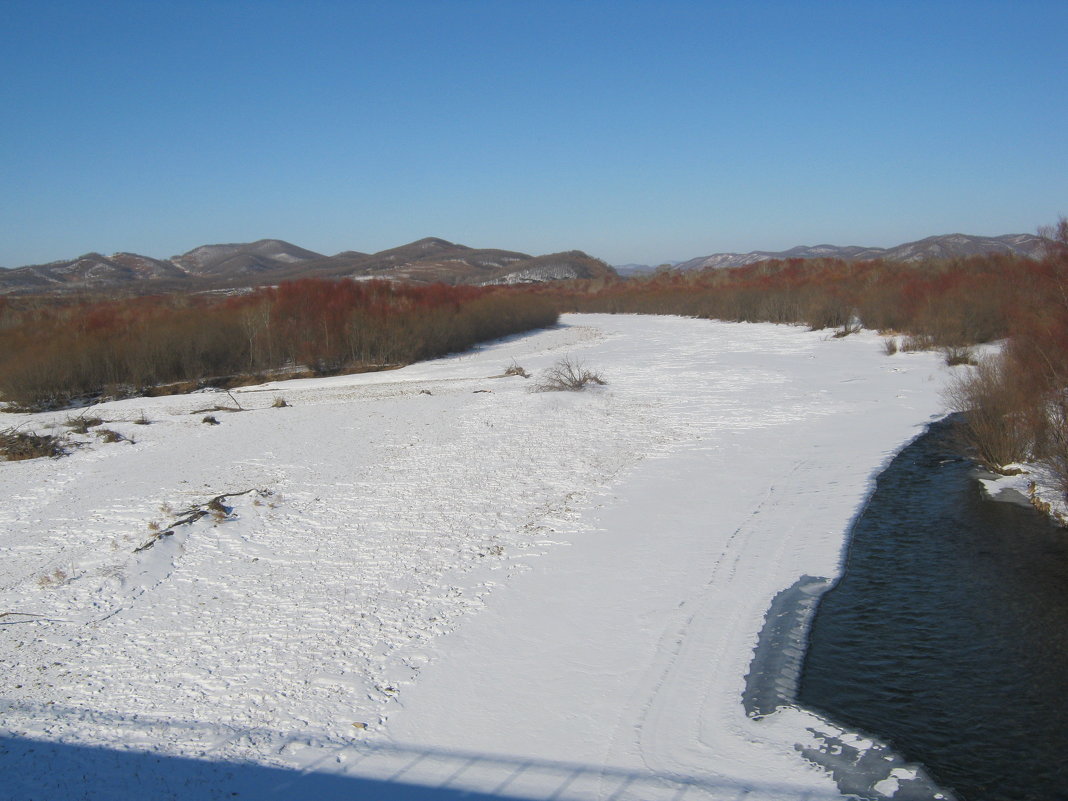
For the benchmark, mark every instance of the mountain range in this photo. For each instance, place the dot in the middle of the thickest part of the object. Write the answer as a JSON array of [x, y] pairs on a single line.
[[945, 246], [269, 261]]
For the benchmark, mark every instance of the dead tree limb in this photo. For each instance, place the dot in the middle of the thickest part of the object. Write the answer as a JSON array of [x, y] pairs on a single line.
[[196, 512]]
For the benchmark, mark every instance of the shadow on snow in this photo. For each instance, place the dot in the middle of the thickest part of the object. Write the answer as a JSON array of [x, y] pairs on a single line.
[[38, 770]]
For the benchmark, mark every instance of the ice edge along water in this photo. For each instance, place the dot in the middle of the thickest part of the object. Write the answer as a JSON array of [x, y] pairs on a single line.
[[862, 766], [621, 549]]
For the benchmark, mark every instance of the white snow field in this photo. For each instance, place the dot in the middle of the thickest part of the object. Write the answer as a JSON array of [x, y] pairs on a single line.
[[447, 586]]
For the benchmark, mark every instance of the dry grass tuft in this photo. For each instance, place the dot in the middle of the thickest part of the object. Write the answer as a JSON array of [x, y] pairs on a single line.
[[81, 424], [515, 369], [110, 435], [56, 578]]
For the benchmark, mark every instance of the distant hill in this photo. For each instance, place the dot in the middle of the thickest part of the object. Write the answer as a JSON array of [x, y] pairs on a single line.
[[88, 271], [553, 267], [228, 260], [933, 247], [626, 270], [269, 261]]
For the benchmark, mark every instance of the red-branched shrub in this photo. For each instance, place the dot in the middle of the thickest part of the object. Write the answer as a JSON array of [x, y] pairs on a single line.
[[51, 354]]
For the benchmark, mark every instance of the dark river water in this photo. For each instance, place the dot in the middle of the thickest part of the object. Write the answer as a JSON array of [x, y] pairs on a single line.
[[947, 635]]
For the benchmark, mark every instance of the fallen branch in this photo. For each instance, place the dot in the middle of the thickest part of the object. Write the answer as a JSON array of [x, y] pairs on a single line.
[[216, 408], [214, 506], [237, 407], [20, 614]]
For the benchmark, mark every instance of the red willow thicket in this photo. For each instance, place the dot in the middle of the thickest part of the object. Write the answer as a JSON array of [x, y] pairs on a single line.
[[50, 354], [943, 304], [1015, 406]]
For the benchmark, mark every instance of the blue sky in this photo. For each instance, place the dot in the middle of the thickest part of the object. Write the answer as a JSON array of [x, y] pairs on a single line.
[[636, 131]]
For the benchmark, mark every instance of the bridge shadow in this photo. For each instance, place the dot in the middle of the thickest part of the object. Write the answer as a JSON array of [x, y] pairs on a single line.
[[32, 770], [36, 770], [226, 763]]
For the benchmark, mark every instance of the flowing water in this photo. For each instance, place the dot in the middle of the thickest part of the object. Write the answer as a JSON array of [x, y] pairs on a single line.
[[947, 635]]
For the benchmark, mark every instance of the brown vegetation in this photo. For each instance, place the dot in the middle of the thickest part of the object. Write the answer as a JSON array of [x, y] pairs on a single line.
[[17, 445], [51, 353], [938, 304], [1014, 407]]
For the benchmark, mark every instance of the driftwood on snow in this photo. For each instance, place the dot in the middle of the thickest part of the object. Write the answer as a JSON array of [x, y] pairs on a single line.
[[214, 506]]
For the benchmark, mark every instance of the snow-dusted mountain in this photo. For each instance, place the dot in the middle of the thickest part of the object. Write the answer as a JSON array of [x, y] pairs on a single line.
[[265, 254], [267, 261], [554, 267], [89, 271], [933, 247]]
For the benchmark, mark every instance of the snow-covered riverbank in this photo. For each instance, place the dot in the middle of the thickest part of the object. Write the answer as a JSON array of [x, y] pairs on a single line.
[[453, 583]]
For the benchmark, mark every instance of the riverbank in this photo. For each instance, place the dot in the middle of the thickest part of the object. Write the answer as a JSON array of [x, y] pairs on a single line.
[[1029, 484], [452, 577], [945, 634]]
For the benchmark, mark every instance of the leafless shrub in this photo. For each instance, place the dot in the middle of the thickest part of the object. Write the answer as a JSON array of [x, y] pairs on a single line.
[[998, 419], [567, 376], [18, 445], [279, 403], [917, 342], [890, 346], [818, 313], [1055, 452], [959, 355], [142, 420], [850, 326]]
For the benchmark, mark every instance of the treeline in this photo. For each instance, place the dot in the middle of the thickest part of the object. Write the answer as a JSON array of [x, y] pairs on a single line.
[[1015, 406], [50, 354], [942, 304]]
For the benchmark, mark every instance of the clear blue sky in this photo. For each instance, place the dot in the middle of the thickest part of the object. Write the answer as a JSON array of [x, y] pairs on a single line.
[[636, 131]]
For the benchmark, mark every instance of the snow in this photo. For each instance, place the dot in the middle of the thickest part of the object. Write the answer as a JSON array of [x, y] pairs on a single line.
[[543, 272], [1030, 484], [443, 583]]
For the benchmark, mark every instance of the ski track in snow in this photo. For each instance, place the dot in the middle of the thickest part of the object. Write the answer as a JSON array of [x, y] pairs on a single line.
[[340, 621]]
